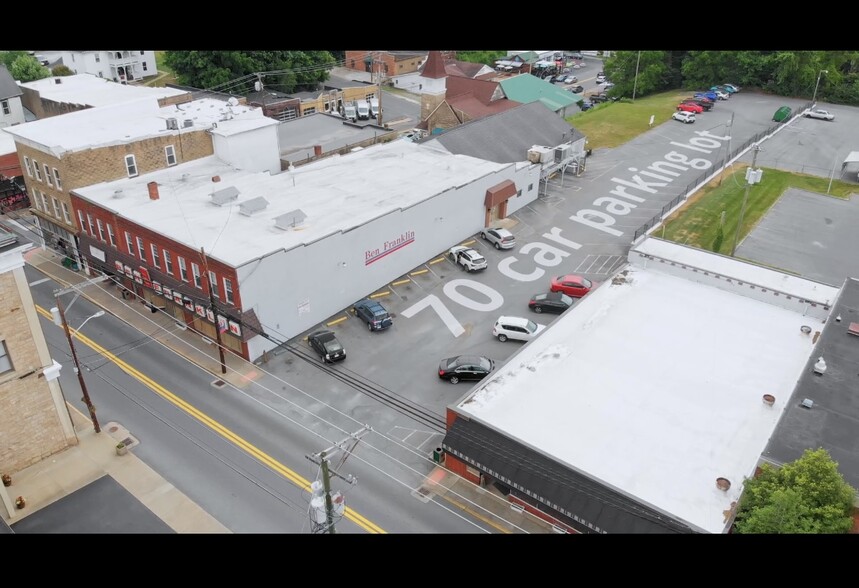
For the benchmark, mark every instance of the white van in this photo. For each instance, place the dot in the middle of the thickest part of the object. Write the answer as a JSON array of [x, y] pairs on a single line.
[[363, 111], [374, 107]]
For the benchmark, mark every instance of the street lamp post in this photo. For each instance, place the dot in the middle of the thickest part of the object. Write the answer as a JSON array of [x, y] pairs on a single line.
[[65, 325], [814, 98], [745, 200]]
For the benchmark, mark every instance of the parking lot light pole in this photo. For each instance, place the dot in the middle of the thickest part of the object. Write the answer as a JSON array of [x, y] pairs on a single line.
[[745, 200], [814, 98]]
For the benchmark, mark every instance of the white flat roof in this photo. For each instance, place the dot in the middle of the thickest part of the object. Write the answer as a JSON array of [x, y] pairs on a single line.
[[94, 91], [133, 121], [654, 387], [7, 143], [741, 270], [336, 194]]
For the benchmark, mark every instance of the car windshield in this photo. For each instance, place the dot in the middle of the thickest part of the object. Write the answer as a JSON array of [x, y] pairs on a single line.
[[540, 297], [587, 283], [332, 345], [484, 363], [566, 299], [531, 326]]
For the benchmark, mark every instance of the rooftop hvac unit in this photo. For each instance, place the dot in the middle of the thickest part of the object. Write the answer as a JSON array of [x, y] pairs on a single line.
[[541, 154], [172, 124], [563, 152], [187, 123], [290, 219], [252, 206], [225, 195]]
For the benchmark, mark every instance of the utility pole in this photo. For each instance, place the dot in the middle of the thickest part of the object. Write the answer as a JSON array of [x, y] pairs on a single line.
[[749, 180], [379, 115], [635, 83], [321, 459], [86, 398], [214, 312], [727, 147]]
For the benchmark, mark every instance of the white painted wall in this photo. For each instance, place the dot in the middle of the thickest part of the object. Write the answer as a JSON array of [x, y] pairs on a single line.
[[527, 179], [255, 150], [85, 62], [277, 287], [16, 113], [410, 81]]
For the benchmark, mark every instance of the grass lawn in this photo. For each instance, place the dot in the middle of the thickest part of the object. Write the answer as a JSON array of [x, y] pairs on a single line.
[[697, 223], [610, 124], [165, 74]]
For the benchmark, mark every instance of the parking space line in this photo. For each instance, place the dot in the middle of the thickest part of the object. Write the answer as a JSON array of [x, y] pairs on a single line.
[[335, 321], [470, 243], [418, 272], [587, 271], [610, 259], [584, 261], [437, 260], [380, 294], [400, 282]]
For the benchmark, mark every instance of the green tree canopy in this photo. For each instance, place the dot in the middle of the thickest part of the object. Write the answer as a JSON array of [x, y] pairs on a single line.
[[27, 68], [808, 495], [234, 71], [62, 70], [7, 57], [485, 57]]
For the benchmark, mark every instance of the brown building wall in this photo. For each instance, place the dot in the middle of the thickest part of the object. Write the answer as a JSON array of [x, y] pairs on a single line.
[[442, 118], [30, 428], [391, 65]]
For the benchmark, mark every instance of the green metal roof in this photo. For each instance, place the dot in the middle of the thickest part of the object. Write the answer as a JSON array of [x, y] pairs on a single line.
[[526, 88]]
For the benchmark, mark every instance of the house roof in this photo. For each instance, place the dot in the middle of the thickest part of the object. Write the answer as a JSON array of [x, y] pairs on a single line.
[[527, 88], [127, 122], [524, 56], [465, 69], [92, 90], [652, 384], [483, 90], [336, 193], [476, 108], [507, 136], [8, 87], [833, 420], [434, 66], [298, 137]]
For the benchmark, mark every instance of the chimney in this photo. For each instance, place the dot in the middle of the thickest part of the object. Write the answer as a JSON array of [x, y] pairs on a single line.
[[153, 190], [216, 178], [317, 150]]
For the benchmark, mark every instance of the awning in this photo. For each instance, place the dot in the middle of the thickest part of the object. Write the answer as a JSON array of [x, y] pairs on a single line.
[[499, 193]]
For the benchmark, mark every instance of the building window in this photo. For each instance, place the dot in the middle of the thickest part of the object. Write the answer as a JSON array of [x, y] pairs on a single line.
[[213, 284], [311, 110], [36, 200], [48, 174], [100, 74], [170, 152], [168, 263], [57, 179], [141, 249], [81, 219], [144, 63], [141, 52], [129, 244], [195, 269], [156, 261], [183, 270], [97, 58], [100, 229], [37, 171], [530, 187], [57, 212], [45, 203], [91, 224], [66, 214], [6, 109], [5, 360], [228, 290], [110, 235], [131, 165], [27, 166]]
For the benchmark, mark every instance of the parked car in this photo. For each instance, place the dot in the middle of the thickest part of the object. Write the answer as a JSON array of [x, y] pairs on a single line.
[[683, 116], [465, 367], [327, 346], [556, 302], [782, 114], [820, 113], [499, 237], [374, 314], [704, 97], [571, 80], [711, 95], [724, 90], [702, 106], [466, 257], [576, 89], [598, 97], [572, 285], [733, 88], [702, 102], [586, 105], [608, 86], [600, 77], [722, 95], [690, 107], [516, 327], [577, 55]]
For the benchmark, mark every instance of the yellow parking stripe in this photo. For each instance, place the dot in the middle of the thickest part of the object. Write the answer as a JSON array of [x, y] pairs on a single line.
[[418, 272], [380, 294], [400, 282], [335, 321], [437, 260], [470, 243], [214, 425]]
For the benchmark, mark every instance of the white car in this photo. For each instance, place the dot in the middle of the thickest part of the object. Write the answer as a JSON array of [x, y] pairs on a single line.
[[501, 238], [684, 116], [468, 258], [722, 95], [820, 113], [517, 328]]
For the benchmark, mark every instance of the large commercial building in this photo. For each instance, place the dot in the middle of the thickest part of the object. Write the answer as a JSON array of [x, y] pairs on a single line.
[[644, 407], [278, 253]]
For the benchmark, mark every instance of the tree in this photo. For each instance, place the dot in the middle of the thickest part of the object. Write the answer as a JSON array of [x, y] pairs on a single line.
[[7, 57], [485, 57], [236, 71], [808, 495], [654, 72], [62, 70], [27, 68]]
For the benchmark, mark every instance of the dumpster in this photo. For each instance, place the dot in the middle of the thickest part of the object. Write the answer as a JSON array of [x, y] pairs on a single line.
[[782, 114]]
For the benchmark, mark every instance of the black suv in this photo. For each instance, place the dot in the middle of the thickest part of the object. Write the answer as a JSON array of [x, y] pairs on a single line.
[[374, 314], [325, 343]]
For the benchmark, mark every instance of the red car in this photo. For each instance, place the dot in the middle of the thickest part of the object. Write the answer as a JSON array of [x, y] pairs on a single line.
[[690, 107], [572, 285]]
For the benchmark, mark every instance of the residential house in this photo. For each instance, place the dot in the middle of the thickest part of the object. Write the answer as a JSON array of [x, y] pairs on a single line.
[[119, 66], [11, 108]]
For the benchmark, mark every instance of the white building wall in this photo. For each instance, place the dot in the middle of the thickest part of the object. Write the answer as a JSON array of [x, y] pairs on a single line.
[[410, 81], [16, 113], [82, 62], [256, 150], [292, 291], [527, 179]]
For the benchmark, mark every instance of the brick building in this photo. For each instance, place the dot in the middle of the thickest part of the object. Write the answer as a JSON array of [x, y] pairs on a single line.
[[390, 63], [34, 419], [61, 154]]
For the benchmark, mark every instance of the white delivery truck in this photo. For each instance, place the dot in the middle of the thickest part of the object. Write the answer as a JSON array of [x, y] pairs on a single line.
[[350, 112], [363, 109], [374, 107]]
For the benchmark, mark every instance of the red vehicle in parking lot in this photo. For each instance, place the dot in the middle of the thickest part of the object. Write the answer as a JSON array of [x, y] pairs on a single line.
[[572, 285], [690, 107]]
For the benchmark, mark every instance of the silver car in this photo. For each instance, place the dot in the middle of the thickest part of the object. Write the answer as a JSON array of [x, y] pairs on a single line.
[[500, 238]]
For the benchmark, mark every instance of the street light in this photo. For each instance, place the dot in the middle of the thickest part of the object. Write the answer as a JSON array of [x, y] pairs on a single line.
[[60, 320], [814, 98]]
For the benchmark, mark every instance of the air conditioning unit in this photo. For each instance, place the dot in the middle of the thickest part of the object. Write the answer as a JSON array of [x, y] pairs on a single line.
[[563, 152], [187, 123], [541, 154], [533, 156], [172, 124]]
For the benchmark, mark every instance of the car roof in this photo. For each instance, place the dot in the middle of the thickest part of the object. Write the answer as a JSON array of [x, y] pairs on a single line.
[[513, 320], [571, 278], [324, 333], [369, 303], [501, 231]]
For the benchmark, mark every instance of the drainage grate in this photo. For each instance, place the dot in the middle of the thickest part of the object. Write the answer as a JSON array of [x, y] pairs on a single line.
[[218, 384], [423, 494]]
